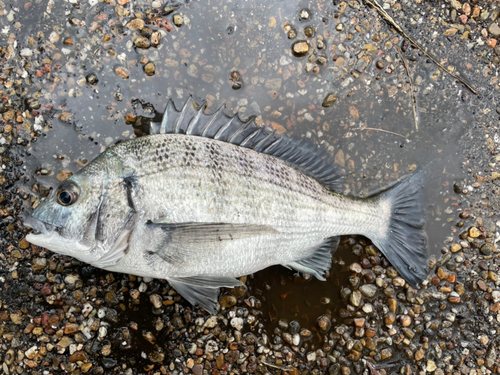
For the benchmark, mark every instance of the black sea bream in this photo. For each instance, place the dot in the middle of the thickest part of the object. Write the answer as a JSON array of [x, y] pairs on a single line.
[[205, 199]]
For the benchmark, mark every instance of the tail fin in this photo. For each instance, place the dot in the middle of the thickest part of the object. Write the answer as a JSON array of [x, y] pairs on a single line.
[[404, 244]]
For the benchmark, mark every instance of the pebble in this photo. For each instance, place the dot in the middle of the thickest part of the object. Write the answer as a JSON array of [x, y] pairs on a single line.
[[474, 232], [327, 102], [142, 42], [431, 366], [228, 300], [355, 298], [122, 72], [237, 323], [149, 68], [369, 290], [178, 20], [300, 48], [136, 24]]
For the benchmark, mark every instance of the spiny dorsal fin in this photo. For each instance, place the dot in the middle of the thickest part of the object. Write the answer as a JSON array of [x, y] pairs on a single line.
[[300, 154]]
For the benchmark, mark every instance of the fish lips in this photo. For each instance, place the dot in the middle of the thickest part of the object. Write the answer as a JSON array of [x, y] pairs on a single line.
[[39, 227]]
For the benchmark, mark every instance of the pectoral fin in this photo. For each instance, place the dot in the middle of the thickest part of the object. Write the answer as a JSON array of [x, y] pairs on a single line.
[[202, 290], [179, 243], [200, 233]]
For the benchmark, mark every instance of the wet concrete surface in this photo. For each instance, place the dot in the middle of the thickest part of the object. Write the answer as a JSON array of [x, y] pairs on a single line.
[[77, 76]]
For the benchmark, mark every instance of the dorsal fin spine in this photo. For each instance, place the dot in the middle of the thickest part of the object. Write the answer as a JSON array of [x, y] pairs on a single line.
[[238, 132], [223, 128], [195, 120], [212, 120], [164, 119], [247, 139], [179, 119], [260, 143]]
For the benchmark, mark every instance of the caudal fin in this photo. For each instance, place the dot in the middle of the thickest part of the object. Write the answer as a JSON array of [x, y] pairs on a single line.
[[404, 244]]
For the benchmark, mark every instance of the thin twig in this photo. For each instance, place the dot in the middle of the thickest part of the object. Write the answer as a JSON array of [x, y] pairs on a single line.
[[398, 28], [380, 130], [413, 102], [283, 368]]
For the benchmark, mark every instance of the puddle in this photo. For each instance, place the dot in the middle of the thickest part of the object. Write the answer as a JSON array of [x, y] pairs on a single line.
[[369, 130]]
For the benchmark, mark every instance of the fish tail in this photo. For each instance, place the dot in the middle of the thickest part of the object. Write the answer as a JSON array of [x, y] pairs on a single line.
[[404, 243]]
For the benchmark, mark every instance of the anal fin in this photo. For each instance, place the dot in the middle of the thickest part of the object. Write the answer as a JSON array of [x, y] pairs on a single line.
[[319, 261]]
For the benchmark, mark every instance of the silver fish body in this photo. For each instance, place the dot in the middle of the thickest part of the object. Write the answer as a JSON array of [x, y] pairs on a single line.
[[200, 211]]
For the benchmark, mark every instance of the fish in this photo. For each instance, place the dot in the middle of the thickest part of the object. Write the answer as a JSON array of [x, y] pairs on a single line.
[[205, 199]]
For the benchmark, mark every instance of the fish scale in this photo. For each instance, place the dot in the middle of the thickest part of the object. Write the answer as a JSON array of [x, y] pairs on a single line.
[[207, 198]]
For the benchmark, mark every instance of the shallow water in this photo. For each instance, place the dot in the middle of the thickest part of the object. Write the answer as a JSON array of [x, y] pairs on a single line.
[[370, 130]]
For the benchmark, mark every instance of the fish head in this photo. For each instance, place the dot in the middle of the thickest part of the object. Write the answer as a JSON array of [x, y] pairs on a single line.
[[65, 221]]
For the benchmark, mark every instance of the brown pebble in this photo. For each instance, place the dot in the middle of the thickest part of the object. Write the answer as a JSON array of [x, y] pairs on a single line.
[[227, 300], [390, 319], [359, 322], [78, 356], [300, 48], [137, 24], [122, 72], [474, 232], [70, 328], [405, 320], [149, 68]]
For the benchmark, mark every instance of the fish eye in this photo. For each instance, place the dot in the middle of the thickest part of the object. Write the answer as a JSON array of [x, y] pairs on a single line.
[[67, 194]]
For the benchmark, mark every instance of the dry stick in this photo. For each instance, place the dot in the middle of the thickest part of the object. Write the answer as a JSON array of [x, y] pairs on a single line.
[[413, 102], [283, 368], [389, 19], [380, 130]]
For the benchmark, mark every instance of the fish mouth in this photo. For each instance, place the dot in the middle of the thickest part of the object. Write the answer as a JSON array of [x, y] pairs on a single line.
[[38, 226]]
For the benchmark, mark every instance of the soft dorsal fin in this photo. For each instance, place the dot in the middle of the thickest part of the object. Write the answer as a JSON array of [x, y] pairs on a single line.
[[300, 154]]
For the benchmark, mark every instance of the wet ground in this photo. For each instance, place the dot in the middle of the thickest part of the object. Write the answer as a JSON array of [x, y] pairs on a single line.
[[78, 77]]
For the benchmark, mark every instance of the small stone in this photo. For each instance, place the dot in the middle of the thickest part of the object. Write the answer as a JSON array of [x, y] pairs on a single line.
[[450, 32], [111, 298], [474, 232], [149, 68], [385, 353], [405, 320], [142, 42], [486, 249], [304, 14], [355, 298], [155, 38], [494, 29], [419, 354], [309, 32], [178, 20], [324, 323], [156, 300], [237, 323], [137, 24], [392, 304], [359, 322], [491, 42], [70, 328], [78, 356], [431, 366], [23, 244], [390, 319], [455, 248], [227, 301], [327, 102], [300, 48], [122, 72], [65, 342], [368, 290]]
